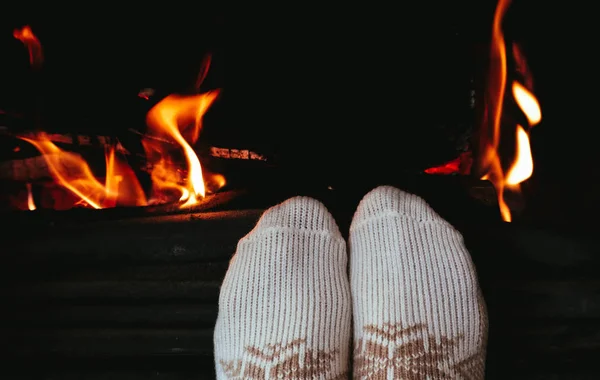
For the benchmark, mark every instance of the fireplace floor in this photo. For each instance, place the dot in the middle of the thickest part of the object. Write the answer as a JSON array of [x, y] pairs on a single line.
[[136, 297]]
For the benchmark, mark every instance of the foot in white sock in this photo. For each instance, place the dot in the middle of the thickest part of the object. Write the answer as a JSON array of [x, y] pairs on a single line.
[[418, 310], [285, 307]]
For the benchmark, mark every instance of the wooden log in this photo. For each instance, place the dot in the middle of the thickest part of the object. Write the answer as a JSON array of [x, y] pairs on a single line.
[[20, 161], [45, 217], [35, 168]]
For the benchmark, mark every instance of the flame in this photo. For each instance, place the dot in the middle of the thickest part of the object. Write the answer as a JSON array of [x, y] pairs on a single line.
[[111, 184], [30, 202], [167, 117], [73, 173], [522, 168], [490, 161], [26, 36], [521, 66], [174, 125], [121, 186], [497, 72], [203, 72], [528, 103]]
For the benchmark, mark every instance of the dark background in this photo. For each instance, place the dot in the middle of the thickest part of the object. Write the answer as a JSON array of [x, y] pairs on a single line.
[[331, 85], [340, 92]]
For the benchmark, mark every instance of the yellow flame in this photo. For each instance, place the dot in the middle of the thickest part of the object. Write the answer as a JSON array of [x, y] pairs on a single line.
[[522, 168], [528, 103], [490, 160], [166, 117], [30, 202]]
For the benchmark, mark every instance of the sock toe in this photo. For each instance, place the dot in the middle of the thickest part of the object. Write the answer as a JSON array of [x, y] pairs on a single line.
[[413, 282], [299, 213], [285, 303], [388, 200]]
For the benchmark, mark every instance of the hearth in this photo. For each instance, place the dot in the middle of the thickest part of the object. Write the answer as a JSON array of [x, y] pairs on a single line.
[[119, 278], [111, 294]]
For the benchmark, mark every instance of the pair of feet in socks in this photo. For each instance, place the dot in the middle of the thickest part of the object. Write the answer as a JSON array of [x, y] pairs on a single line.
[[290, 305]]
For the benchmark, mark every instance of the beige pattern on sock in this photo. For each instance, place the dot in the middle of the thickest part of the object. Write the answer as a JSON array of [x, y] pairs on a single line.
[[285, 306], [418, 311]]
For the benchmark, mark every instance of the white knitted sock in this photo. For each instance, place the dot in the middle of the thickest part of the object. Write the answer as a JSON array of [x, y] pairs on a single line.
[[418, 310], [284, 307]]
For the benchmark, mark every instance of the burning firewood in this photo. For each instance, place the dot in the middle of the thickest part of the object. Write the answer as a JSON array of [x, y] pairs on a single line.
[[22, 163]]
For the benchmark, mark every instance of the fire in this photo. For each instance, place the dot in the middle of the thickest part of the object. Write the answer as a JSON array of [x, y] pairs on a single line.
[[30, 202], [204, 66], [489, 160], [26, 36], [523, 166], [73, 173], [170, 119], [528, 103], [165, 118], [174, 125]]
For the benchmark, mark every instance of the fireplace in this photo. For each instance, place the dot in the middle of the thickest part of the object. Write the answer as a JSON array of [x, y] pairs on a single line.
[[126, 286]]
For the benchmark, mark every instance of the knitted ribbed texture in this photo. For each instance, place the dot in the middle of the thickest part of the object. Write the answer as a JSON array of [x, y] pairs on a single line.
[[418, 311], [285, 307]]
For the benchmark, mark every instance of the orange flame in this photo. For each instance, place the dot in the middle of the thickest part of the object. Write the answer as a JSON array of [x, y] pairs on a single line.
[[30, 202], [166, 117], [73, 173], [26, 36], [490, 162], [175, 119], [203, 72], [521, 66]]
